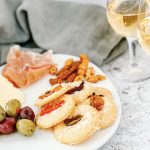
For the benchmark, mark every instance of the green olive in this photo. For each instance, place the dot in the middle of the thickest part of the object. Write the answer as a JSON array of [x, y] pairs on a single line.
[[25, 127], [2, 114], [12, 108]]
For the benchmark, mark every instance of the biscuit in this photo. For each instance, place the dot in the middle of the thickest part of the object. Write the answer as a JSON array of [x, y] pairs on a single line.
[[56, 116], [55, 91], [83, 129], [109, 111], [80, 96]]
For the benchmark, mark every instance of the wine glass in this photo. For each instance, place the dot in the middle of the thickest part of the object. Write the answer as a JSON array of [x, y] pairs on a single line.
[[143, 34], [143, 26], [122, 16]]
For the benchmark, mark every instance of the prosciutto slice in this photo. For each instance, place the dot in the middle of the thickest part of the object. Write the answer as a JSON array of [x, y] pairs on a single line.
[[26, 67]]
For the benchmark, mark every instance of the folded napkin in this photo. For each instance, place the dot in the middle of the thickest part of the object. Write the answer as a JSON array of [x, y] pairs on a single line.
[[65, 27]]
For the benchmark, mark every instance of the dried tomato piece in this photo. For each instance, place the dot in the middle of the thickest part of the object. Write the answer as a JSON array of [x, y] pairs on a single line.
[[51, 107], [97, 102], [77, 88]]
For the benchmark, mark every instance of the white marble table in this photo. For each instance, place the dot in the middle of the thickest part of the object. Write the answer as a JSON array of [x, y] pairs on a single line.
[[133, 132]]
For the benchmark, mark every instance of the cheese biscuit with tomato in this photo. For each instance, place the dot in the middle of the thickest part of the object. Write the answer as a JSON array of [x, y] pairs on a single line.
[[54, 112], [101, 99]]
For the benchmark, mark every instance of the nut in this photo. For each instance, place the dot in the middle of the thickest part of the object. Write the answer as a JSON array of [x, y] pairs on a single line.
[[53, 70], [79, 78], [69, 62]]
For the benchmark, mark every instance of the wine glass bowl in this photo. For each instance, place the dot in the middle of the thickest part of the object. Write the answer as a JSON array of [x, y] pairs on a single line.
[[143, 26], [123, 16], [143, 34]]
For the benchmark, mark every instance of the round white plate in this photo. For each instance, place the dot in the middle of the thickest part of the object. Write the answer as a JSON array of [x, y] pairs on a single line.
[[45, 140]]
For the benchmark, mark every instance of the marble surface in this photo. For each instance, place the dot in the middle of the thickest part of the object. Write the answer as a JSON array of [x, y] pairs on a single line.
[[133, 132]]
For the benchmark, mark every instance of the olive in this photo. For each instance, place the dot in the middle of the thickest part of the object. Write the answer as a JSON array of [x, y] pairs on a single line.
[[2, 114], [25, 127], [13, 107], [8, 126], [27, 113]]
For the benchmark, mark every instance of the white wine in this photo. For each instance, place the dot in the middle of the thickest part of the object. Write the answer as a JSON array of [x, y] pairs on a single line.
[[143, 33], [124, 23]]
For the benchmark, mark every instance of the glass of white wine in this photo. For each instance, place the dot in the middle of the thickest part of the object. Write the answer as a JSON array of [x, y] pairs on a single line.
[[123, 17], [143, 33], [143, 26]]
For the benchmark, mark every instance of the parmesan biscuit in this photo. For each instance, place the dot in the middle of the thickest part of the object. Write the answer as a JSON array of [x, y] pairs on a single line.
[[80, 96], [54, 92], [109, 111], [56, 116], [83, 129]]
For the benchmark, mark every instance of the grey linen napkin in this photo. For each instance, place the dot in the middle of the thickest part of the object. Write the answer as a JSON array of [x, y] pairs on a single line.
[[65, 27]]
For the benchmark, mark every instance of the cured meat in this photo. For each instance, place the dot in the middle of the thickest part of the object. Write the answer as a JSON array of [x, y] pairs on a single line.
[[26, 67]]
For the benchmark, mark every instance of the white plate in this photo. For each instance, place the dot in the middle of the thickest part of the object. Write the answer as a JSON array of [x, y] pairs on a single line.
[[45, 140]]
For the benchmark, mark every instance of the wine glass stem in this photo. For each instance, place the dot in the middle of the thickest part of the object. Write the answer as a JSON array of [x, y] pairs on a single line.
[[132, 51]]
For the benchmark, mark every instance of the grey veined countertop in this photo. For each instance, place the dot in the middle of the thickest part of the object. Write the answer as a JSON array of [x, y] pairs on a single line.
[[134, 130]]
